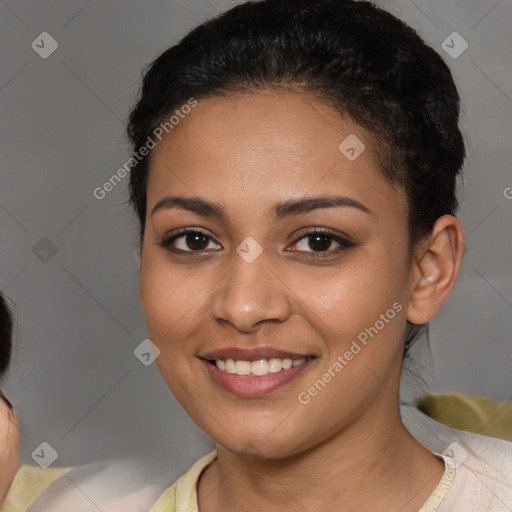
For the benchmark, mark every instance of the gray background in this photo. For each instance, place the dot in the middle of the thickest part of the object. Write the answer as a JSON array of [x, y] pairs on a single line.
[[75, 380]]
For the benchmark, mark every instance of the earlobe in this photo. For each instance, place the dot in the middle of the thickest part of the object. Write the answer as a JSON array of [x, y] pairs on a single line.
[[435, 270]]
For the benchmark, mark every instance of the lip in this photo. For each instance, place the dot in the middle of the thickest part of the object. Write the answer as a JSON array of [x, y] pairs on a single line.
[[252, 386], [251, 354]]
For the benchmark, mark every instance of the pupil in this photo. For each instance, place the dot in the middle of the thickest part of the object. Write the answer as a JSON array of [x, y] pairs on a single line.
[[197, 241], [319, 242]]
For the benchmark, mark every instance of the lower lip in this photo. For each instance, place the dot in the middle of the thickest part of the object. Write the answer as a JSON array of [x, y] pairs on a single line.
[[251, 386]]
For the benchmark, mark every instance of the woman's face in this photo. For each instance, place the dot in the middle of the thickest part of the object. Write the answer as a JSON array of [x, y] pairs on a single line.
[[301, 255], [9, 447]]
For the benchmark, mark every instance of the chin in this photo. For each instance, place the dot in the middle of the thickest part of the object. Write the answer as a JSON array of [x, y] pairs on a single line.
[[261, 446]]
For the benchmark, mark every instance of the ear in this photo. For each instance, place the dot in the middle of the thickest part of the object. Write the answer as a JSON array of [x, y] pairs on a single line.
[[435, 269]]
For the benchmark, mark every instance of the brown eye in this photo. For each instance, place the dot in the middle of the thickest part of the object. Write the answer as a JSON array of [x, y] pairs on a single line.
[[320, 242], [196, 241], [189, 240]]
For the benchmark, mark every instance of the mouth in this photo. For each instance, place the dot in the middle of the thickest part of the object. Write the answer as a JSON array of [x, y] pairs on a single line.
[[258, 368], [254, 372]]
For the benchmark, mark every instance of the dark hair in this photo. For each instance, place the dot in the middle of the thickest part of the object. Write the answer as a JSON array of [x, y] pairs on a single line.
[[354, 56], [6, 324]]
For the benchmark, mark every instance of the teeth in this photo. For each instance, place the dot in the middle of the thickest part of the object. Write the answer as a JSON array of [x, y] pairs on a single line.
[[275, 365], [257, 368], [230, 366], [242, 367], [287, 364]]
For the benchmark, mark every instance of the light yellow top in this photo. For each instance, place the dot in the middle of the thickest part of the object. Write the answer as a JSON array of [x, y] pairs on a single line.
[[30, 481]]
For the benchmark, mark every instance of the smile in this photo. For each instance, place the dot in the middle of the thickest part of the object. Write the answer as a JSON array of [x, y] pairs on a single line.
[[255, 377], [258, 368]]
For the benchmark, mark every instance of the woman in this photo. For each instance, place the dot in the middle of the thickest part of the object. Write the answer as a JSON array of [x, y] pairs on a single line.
[[294, 173], [9, 432]]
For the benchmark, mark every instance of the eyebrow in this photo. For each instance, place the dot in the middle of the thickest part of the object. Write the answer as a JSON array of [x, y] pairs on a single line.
[[278, 212]]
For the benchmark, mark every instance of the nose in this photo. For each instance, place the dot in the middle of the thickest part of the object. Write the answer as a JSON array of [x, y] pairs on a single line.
[[250, 297]]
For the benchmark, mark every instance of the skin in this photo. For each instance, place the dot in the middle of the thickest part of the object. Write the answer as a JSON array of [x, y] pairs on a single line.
[[347, 446], [9, 448]]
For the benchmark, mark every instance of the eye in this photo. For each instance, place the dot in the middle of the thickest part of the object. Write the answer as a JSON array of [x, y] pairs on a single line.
[[319, 242], [189, 240]]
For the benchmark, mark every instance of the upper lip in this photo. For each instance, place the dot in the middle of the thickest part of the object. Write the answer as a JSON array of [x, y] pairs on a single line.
[[251, 354]]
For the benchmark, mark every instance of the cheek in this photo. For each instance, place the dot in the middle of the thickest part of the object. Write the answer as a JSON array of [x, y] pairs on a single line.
[[167, 295], [174, 307], [354, 297], [163, 304]]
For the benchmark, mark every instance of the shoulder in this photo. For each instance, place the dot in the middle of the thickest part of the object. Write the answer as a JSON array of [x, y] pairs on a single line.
[[28, 483], [483, 465], [480, 483], [182, 495], [113, 486]]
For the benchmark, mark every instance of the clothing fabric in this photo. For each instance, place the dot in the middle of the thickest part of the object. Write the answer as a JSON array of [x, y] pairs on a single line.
[[182, 496], [477, 478]]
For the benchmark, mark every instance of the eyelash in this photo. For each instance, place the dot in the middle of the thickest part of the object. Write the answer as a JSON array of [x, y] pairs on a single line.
[[344, 244]]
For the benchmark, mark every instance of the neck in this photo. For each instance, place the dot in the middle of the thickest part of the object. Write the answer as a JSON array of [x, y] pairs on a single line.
[[362, 468]]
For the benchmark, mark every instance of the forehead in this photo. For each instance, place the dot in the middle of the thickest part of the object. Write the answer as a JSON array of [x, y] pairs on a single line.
[[255, 149]]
